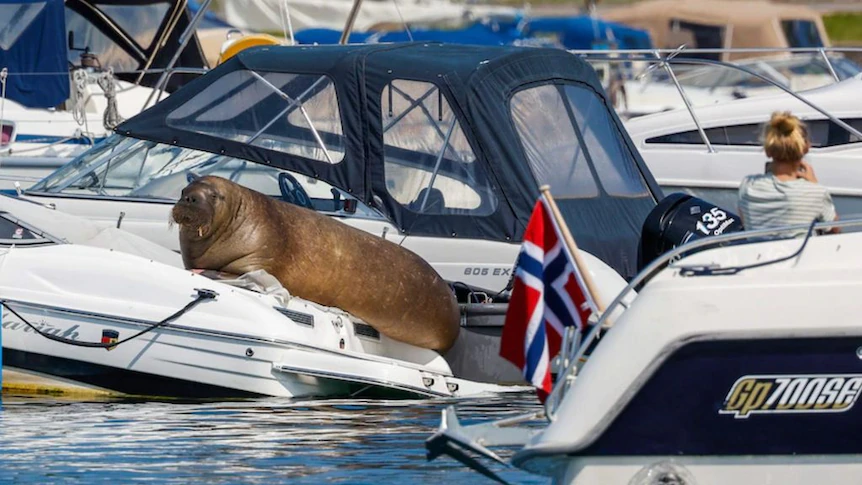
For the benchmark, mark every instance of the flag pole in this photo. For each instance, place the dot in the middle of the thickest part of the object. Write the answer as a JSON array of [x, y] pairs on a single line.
[[573, 248], [564, 376]]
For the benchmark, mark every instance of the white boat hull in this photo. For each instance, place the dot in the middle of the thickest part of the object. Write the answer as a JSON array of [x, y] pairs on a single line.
[[742, 470], [242, 343]]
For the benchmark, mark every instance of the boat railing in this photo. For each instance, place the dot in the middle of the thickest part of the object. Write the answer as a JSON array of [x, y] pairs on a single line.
[[78, 107], [666, 58], [573, 358]]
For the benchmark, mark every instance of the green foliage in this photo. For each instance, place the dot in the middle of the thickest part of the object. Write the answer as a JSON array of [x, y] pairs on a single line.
[[844, 27]]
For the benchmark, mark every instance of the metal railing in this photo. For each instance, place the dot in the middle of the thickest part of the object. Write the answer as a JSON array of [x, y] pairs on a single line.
[[652, 270], [665, 58]]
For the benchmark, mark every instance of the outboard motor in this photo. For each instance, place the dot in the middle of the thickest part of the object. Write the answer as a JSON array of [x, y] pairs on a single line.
[[678, 219]]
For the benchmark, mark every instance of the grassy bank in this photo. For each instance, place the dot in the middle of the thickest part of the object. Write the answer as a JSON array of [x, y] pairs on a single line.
[[844, 28]]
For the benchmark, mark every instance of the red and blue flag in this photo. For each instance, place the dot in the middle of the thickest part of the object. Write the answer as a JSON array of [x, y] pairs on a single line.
[[548, 296]]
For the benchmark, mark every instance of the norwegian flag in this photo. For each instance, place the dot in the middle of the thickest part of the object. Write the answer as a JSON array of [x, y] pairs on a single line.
[[548, 295]]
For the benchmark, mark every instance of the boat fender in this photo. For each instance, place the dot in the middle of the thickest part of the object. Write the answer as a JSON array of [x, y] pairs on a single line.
[[678, 219], [663, 472]]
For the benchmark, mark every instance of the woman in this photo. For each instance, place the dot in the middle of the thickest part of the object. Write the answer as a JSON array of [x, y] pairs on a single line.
[[788, 194]]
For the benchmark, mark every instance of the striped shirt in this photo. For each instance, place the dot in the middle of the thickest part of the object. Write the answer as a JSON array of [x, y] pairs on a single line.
[[765, 201]]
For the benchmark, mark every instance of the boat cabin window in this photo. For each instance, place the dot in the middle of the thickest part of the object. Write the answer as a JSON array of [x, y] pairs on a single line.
[[823, 133], [696, 36], [88, 35], [295, 114], [801, 33], [140, 21], [6, 132], [429, 165], [16, 18], [123, 167], [12, 232], [572, 144]]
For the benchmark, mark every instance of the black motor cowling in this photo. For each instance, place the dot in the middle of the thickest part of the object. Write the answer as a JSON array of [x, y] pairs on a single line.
[[678, 219]]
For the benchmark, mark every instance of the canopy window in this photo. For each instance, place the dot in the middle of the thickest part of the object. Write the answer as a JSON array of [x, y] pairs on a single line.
[[429, 165], [140, 21], [697, 36], [573, 145], [86, 35], [801, 33], [296, 114]]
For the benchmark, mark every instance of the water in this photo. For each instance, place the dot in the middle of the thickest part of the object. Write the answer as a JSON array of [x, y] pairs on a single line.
[[46, 440]]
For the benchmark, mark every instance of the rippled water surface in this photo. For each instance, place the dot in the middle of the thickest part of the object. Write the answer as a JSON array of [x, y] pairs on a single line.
[[46, 440]]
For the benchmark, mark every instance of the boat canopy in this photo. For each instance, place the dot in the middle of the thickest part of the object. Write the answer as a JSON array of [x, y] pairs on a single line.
[[33, 40], [716, 24], [445, 140]]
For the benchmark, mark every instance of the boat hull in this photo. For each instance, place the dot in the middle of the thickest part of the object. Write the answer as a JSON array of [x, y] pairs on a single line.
[[240, 343], [738, 470]]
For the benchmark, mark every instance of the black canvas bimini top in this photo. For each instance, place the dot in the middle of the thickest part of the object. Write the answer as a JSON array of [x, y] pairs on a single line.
[[446, 140]]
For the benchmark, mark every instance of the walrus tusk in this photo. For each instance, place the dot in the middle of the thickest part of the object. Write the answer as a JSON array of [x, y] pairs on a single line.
[[200, 231]]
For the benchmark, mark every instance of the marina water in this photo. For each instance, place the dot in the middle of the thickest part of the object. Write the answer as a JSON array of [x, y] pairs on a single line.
[[54, 440]]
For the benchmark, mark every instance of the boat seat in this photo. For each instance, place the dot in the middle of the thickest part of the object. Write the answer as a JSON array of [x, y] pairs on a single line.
[[435, 204]]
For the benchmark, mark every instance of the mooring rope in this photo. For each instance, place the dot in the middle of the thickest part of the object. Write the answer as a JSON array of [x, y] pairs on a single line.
[[203, 294], [111, 116]]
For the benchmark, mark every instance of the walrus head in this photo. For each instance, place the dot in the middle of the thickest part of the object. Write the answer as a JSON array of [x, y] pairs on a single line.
[[197, 211]]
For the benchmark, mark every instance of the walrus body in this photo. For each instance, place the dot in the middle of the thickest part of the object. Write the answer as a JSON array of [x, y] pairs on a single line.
[[227, 227]]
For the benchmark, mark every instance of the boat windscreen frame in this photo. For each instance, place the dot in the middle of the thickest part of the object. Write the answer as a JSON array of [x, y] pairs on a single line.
[[155, 56]]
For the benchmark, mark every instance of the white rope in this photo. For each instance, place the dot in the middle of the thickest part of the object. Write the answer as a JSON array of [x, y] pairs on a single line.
[[79, 83], [111, 116]]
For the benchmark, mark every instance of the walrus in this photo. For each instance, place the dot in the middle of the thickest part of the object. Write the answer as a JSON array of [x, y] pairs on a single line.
[[229, 228]]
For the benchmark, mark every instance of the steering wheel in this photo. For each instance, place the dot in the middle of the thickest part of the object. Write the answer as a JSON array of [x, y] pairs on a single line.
[[292, 191]]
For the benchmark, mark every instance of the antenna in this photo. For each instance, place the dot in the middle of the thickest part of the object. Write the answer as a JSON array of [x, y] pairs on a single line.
[[406, 27]]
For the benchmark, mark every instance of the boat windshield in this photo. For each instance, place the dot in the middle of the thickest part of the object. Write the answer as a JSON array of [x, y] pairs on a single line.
[[125, 167], [781, 71]]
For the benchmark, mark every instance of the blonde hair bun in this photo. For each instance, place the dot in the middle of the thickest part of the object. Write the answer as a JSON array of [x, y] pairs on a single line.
[[785, 138], [785, 123]]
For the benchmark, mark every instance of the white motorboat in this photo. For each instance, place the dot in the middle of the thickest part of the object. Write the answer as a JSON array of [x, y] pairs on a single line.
[[182, 334], [738, 361], [733, 31], [272, 15], [429, 172], [680, 159], [74, 69], [716, 84]]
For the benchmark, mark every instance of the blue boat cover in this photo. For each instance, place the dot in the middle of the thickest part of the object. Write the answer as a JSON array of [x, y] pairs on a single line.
[[575, 32], [585, 32], [33, 40], [475, 34]]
